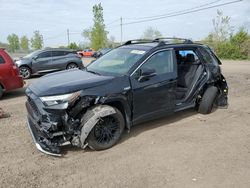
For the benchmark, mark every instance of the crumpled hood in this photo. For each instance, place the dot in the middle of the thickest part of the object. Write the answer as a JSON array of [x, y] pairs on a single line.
[[67, 82]]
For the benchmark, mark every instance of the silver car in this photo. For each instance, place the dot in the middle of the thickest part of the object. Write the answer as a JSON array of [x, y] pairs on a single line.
[[48, 60]]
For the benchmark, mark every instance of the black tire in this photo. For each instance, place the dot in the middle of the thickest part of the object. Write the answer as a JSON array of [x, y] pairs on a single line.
[[208, 100], [25, 72], [72, 66], [98, 140], [1, 91]]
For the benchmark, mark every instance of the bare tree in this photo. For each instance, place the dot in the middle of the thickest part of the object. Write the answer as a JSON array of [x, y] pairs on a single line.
[[151, 33]]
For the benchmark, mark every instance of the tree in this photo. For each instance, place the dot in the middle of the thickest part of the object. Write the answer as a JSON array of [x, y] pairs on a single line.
[[222, 27], [151, 33], [13, 41], [87, 33], [240, 37], [37, 40], [73, 46], [225, 42], [98, 34], [24, 43], [111, 42]]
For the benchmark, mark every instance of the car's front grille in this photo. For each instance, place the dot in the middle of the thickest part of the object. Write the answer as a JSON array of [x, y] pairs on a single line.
[[33, 106]]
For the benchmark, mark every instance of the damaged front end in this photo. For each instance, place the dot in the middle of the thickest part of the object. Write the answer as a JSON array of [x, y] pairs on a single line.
[[56, 121]]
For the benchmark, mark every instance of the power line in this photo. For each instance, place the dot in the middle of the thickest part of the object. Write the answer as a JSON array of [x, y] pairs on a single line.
[[183, 13], [175, 12], [55, 36], [114, 21]]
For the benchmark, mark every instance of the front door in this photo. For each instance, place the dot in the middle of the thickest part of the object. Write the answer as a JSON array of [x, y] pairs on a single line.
[[154, 95], [42, 63]]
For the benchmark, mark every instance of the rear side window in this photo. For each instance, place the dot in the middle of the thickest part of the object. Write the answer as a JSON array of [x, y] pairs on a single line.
[[70, 52], [1, 60], [209, 57], [58, 53]]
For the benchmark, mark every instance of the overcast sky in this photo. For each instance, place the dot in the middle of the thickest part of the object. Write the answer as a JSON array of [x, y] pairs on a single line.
[[53, 17]]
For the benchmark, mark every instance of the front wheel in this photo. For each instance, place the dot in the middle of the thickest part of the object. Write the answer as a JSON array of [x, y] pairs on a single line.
[[106, 132], [25, 72]]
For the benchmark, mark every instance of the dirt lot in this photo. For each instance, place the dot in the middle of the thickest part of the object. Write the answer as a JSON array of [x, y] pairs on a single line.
[[184, 150]]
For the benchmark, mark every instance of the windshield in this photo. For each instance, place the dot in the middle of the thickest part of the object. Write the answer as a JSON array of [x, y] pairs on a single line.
[[32, 54], [118, 61]]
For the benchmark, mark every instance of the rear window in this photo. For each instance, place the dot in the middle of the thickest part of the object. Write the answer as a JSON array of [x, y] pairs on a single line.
[[58, 53], [1, 60], [70, 52]]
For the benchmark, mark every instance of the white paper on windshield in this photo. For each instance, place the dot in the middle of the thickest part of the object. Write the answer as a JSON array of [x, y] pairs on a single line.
[[137, 52]]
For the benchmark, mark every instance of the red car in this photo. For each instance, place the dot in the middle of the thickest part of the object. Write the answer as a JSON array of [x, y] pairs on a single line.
[[9, 74], [86, 53]]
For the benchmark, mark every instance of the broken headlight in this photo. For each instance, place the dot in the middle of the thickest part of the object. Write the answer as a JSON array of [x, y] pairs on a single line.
[[60, 99]]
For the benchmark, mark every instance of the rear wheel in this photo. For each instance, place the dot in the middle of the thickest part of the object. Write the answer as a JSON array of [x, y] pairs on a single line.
[[25, 72], [208, 100], [72, 66], [106, 132]]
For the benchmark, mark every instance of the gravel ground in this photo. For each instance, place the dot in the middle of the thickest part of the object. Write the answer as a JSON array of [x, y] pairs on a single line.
[[184, 150]]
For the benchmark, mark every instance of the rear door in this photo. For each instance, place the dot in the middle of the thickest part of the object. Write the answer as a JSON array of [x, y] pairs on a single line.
[[42, 63], [4, 70], [155, 96], [59, 60]]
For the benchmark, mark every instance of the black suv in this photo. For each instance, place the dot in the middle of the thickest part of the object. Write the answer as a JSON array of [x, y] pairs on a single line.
[[48, 60], [136, 82]]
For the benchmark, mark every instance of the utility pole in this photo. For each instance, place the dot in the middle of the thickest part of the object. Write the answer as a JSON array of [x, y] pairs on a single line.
[[68, 36], [121, 31]]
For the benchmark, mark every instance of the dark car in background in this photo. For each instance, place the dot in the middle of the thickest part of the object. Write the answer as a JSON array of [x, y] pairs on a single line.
[[134, 83], [9, 74], [101, 52], [48, 60]]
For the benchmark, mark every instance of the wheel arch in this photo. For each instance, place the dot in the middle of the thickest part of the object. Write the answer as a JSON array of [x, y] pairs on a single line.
[[123, 107], [71, 62], [25, 65], [1, 85]]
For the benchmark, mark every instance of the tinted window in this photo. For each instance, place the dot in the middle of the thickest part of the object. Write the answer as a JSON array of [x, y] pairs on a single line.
[[44, 54], [70, 52], [1, 60], [209, 57], [162, 62], [58, 53]]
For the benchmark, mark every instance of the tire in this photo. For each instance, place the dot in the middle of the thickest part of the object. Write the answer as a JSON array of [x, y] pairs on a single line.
[[25, 72], [208, 100], [1, 91], [98, 140], [72, 66]]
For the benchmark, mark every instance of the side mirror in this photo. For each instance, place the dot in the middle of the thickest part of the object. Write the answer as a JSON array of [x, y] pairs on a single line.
[[145, 74]]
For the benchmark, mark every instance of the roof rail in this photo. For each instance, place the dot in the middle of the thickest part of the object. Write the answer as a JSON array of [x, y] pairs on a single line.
[[136, 41], [185, 41]]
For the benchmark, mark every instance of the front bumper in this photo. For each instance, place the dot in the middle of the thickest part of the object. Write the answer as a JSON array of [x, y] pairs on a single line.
[[33, 133], [44, 141]]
